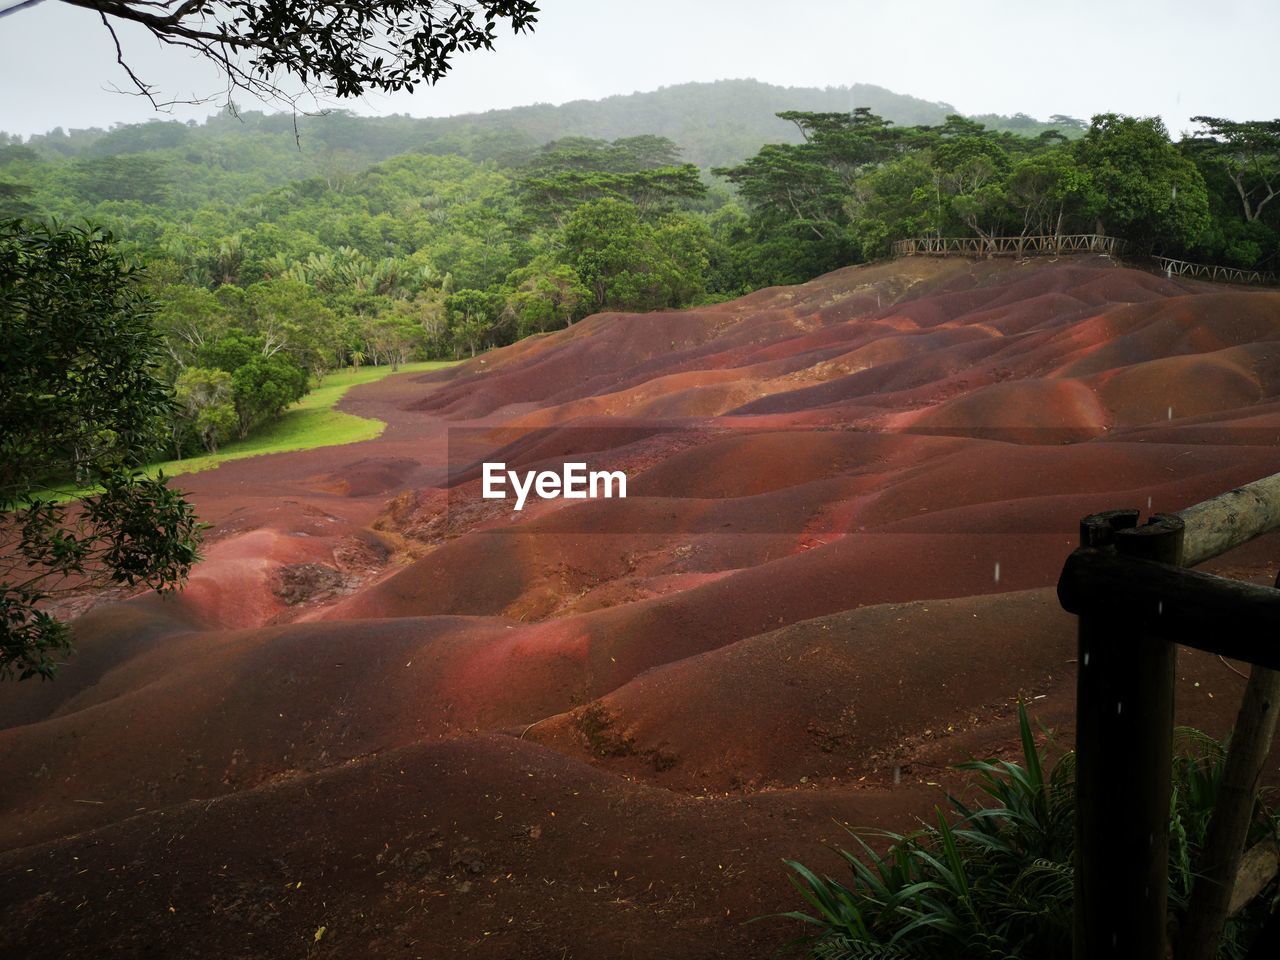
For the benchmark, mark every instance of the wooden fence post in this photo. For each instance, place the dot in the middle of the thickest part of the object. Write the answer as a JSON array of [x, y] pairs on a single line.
[[1124, 756], [1219, 863]]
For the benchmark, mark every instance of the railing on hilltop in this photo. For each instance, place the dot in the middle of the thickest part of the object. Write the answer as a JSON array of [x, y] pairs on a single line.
[[1136, 602], [1098, 243], [1009, 246], [1182, 268]]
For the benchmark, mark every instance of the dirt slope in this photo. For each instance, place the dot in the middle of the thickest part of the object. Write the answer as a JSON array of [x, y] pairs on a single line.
[[594, 729]]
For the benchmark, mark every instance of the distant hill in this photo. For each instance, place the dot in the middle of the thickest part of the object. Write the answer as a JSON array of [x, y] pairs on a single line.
[[716, 123]]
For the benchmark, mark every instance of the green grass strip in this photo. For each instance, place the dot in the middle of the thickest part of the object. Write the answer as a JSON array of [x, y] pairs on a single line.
[[311, 422]]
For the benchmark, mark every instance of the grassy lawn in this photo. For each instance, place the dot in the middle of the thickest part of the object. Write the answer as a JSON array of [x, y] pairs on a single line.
[[311, 422]]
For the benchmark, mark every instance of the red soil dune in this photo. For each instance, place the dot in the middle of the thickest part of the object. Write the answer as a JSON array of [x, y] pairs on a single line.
[[435, 727]]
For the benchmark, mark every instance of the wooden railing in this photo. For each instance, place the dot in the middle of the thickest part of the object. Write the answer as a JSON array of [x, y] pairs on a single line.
[[1009, 246], [1072, 243], [1182, 268], [1136, 601]]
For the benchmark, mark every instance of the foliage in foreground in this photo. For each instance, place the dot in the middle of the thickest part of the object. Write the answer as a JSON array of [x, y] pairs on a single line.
[[997, 883], [81, 401]]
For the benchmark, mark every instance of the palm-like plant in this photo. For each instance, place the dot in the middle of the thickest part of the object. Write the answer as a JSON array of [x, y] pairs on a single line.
[[998, 884]]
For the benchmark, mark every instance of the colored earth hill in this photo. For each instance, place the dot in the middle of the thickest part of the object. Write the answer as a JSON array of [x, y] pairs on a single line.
[[390, 709]]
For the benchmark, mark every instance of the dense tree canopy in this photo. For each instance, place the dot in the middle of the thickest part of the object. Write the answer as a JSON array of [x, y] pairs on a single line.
[[378, 246], [627, 263], [81, 402], [1248, 154], [646, 171], [1150, 191], [856, 183]]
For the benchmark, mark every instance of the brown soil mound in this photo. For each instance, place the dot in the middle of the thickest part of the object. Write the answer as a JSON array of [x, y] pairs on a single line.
[[486, 846]]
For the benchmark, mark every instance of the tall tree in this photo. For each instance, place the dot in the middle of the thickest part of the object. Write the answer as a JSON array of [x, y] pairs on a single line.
[[81, 402], [799, 193], [1151, 194], [626, 263], [472, 314], [644, 170], [547, 295], [973, 168], [205, 408], [1249, 155], [1047, 190], [262, 387]]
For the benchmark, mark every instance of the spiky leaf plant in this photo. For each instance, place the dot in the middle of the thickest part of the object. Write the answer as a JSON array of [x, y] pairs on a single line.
[[997, 883]]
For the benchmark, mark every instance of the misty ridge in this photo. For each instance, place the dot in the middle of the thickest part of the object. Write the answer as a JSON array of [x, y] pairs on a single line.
[[714, 123]]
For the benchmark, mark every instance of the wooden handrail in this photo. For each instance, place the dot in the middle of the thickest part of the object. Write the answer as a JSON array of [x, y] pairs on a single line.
[[1185, 607], [1184, 268], [1067, 244], [1010, 246], [1230, 519]]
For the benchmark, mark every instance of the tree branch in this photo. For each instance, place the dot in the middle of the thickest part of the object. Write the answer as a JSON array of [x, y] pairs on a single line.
[[19, 6], [343, 48]]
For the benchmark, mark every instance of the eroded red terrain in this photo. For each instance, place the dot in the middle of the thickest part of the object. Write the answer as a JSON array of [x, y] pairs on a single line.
[[436, 728]]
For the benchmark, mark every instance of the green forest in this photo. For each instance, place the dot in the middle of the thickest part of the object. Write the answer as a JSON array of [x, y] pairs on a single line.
[[275, 249]]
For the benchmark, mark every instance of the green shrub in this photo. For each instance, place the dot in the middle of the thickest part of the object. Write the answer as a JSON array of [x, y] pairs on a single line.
[[998, 882]]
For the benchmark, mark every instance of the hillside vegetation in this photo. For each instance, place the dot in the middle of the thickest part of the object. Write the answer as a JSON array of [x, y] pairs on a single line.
[[275, 255]]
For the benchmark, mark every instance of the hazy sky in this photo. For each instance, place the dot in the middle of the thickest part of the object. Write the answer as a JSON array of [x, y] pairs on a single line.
[[1177, 58]]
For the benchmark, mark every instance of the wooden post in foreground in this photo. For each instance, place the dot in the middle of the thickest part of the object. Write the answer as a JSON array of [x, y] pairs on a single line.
[[1124, 757], [1125, 723], [1219, 865]]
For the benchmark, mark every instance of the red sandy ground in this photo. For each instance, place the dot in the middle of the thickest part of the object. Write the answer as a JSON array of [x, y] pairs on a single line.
[[595, 730]]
